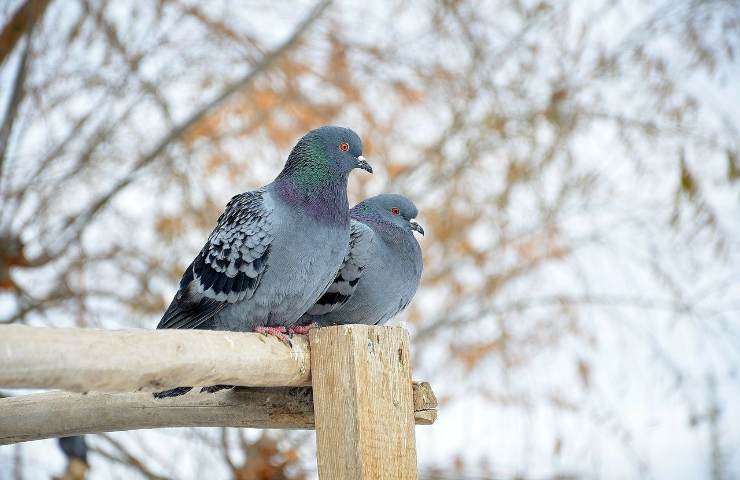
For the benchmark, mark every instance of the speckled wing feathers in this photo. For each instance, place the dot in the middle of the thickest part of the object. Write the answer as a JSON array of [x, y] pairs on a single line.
[[344, 284], [229, 267]]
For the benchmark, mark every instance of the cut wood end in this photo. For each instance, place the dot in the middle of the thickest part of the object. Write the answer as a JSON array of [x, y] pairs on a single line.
[[424, 398], [425, 417], [425, 404]]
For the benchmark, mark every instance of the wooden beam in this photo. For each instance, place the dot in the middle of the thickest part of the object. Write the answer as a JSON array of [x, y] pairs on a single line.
[[82, 360], [57, 414], [363, 403]]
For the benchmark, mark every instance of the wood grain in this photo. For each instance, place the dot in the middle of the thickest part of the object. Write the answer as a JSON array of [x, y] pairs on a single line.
[[56, 414], [363, 403], [82, 360]]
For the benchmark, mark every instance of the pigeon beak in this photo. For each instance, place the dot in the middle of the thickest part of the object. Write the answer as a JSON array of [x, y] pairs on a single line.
[[362, 163], [417, 227]]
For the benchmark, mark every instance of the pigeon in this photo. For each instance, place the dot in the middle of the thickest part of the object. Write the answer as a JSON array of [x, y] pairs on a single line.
[[381, 272], [74, 448], [274, 250]]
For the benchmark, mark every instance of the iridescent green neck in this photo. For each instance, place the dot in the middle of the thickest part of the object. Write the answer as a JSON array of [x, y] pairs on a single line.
[[307, 168], [308, 182]]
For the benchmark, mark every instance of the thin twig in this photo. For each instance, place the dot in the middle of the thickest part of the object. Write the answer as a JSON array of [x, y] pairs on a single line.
[[21, 22], [83, 219], [126, 458], [15, 99]]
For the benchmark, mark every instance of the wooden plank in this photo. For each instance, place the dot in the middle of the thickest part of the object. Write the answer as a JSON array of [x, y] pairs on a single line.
[[56, 414], [363, 403], [82, 360]]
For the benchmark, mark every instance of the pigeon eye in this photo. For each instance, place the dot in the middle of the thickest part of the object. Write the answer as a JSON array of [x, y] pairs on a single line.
[[344, 147], [396, 211]]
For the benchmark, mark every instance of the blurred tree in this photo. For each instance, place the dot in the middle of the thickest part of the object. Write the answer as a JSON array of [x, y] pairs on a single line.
[[575, 163]]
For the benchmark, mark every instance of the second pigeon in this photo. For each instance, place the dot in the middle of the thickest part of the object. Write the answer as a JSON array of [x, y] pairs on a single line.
[[381, 272]]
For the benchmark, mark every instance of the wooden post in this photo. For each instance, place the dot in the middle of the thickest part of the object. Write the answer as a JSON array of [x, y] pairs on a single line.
[[363, 403]]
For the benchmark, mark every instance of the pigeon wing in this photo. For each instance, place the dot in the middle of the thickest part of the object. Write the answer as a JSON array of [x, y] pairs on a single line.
[[350, 273], [230, 266]]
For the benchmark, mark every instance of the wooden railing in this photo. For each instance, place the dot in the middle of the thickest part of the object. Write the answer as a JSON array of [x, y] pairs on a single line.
[[353, 385]]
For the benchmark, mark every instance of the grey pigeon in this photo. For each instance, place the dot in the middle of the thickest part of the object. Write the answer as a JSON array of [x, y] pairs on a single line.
[[74, 448], [274, 249], [381, 272]]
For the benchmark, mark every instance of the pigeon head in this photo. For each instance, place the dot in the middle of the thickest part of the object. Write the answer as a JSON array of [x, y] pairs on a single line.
[[390, 209], [325, 156]]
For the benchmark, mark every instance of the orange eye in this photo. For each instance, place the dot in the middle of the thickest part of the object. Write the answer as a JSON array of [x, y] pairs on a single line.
[[344, 147], [396, 211]]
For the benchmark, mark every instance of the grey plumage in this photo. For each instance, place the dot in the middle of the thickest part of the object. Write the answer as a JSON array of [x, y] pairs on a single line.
[[275, 249], [381, 271], [229, 267], [344, 284], [74, 447]]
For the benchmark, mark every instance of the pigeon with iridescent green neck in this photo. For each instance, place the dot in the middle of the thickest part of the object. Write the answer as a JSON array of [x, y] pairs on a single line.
[[381, 272], [274, 249]]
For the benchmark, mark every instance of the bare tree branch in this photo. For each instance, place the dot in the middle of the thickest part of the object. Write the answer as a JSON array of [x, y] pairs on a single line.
[[124, 457], [82, 220], [21, 22], [16, 95]]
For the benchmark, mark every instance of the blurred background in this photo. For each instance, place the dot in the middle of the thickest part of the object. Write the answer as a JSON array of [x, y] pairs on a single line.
[[575, 164]]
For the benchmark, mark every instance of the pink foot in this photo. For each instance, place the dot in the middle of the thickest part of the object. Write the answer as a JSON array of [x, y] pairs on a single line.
[[277, 332], [301, 329]]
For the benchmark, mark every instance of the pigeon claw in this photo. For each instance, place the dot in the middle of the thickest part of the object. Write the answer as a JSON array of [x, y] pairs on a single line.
[[277, 332], [301, 329]]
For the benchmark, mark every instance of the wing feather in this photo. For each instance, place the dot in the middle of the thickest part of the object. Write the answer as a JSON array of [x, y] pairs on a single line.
[[350, 273], [230, 266]]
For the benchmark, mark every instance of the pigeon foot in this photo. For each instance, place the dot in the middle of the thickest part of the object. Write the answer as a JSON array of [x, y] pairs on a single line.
[[277, 332], [301, 329]]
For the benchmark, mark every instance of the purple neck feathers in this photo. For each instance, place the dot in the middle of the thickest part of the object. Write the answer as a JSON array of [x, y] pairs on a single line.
[[328, 204]]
